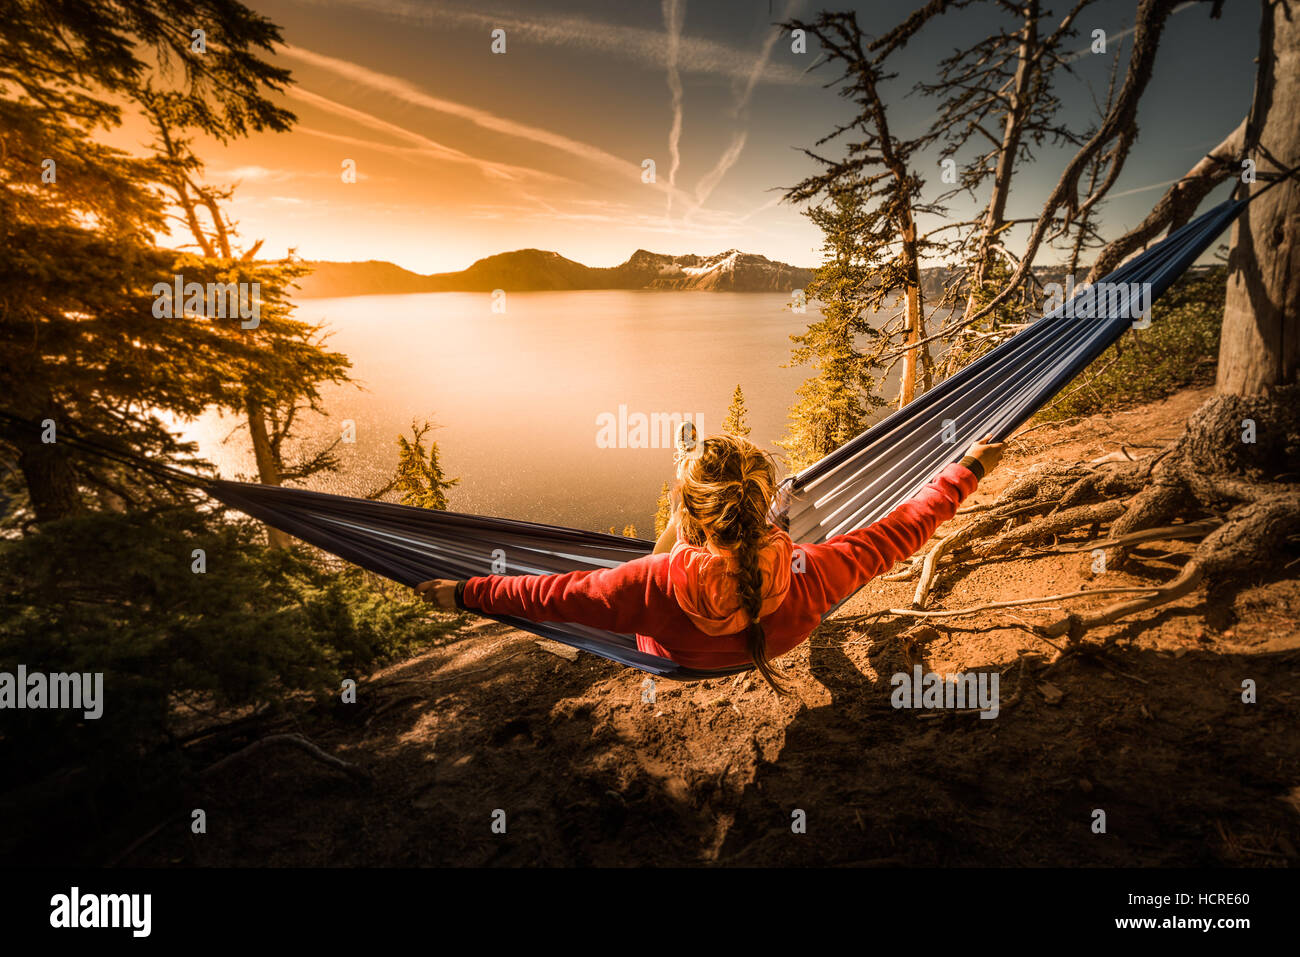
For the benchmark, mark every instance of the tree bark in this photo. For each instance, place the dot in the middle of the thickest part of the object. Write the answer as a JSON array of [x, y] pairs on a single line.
[[268, 472], [1260, 345], [915, 320], [53, 486], [996, 211], [50, 478]]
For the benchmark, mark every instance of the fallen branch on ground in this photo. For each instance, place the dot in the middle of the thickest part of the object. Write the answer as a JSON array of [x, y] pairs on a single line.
[[922, 593], [993, 605], [295, 741]]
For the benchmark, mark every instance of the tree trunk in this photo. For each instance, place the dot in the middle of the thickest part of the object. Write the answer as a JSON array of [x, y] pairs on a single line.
[[996, 211], [907, 388], [50, 478], [915, 319], [268, 473], [53, 487], [1260, 346]]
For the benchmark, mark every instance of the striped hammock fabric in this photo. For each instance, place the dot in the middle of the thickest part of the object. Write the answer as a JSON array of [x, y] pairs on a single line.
[[852, 487]]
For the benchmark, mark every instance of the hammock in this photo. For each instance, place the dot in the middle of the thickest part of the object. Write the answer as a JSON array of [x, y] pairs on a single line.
[[855, 485]]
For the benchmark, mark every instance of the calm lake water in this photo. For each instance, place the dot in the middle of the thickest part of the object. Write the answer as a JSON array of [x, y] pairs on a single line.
[[517, 395]]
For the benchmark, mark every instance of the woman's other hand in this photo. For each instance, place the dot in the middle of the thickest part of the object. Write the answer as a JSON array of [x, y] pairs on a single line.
[[438, 591], [988, 452]]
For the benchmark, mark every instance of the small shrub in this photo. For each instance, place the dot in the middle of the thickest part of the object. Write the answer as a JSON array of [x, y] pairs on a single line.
[[115, 593]]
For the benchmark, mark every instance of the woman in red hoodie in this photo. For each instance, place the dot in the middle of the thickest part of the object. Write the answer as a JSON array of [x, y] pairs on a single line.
[[724, 587]]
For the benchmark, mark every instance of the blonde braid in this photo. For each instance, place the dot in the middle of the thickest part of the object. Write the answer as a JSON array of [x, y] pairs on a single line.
[[726, 492]]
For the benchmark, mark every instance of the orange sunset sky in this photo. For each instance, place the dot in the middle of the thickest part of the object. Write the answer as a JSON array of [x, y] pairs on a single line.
[[461, 153]]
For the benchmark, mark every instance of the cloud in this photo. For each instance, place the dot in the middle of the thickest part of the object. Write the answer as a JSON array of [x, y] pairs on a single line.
[[406, 92], [260, 173], [770, 204], [732, 153], [727, 160], [625, 44], [423, 145], [674, 14], [1120, 34]]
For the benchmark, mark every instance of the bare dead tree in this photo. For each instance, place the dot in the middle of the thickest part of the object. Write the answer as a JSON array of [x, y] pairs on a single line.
[[1236, 495], [878, 172], [998, 94], [1112, 140], [1260, 346]]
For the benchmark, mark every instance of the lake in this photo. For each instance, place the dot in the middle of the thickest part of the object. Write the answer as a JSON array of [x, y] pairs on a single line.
[[518, 395]]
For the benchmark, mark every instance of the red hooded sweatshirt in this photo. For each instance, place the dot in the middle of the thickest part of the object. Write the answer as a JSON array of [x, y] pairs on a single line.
[[684, 605]]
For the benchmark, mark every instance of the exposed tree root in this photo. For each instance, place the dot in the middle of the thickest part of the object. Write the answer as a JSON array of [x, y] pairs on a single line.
[[1222, 483], [1075, 625], [1050, 526], [1167, 533]]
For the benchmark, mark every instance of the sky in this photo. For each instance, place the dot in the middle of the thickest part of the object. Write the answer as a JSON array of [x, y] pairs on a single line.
[[462, 153]]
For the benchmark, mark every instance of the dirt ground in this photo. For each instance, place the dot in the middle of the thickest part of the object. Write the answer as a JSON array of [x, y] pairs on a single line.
[[1150, 728]]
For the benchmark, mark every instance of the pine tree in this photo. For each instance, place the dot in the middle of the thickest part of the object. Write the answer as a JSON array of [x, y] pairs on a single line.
[[663, 510], [79, 342], [283, 362], [734, 423], [419, 479], [836, 403]]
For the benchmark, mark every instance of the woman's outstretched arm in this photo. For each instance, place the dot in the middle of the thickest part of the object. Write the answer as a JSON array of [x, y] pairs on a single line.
[[845, 563], [609, 598], [448, 594]]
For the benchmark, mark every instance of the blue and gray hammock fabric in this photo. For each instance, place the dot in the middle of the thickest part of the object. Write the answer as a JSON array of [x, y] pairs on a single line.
[[857, 484]]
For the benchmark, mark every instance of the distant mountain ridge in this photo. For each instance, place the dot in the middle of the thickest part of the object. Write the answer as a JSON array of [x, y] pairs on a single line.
[[532, 270]]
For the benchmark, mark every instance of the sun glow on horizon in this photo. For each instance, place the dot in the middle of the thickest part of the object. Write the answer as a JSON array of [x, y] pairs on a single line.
[[461, 154]]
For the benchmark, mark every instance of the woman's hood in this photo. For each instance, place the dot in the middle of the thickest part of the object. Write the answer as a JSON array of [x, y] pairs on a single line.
[[705, 586]]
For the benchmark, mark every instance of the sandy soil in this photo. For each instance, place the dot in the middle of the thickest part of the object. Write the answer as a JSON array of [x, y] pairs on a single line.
[[1151, 730]]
